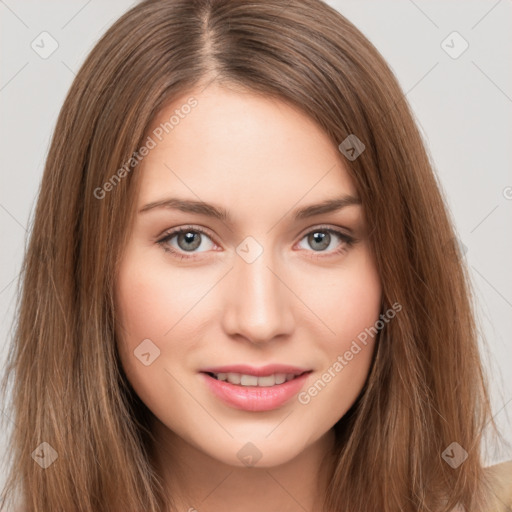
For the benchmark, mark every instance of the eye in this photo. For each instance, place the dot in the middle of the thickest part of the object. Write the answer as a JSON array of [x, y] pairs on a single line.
[[187, 239], [328, 240]]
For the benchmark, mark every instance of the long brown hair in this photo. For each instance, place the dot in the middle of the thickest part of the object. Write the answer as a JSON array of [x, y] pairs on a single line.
[[426, 388]]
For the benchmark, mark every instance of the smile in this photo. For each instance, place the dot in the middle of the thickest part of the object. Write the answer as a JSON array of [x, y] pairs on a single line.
[[254, 393], [241, 379]]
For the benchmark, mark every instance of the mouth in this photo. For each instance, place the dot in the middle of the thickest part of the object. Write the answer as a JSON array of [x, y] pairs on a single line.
[[255, 389], [246, 380]]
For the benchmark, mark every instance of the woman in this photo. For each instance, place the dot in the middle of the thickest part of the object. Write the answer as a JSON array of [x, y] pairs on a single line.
[[182, 342]]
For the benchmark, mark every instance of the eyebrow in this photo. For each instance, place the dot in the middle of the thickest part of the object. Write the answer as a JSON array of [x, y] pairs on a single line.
[[210, 210]]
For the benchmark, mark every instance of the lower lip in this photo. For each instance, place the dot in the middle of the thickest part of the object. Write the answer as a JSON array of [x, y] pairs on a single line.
[[255, 398]]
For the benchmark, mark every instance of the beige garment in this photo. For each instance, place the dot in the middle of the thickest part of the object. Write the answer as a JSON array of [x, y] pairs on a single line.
[[501, 481]]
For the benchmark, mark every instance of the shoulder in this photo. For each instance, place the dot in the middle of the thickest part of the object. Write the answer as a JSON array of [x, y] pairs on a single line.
[[500, 479]]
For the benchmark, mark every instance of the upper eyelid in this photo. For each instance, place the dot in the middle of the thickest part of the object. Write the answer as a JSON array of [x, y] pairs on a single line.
[[176, 231], [326, 227]]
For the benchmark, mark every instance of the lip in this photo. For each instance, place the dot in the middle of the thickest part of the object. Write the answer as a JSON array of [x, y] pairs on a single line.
[[262, 371], [255, 398]]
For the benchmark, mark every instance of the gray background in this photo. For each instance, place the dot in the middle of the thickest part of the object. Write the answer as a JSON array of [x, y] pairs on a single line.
[[463, 106]]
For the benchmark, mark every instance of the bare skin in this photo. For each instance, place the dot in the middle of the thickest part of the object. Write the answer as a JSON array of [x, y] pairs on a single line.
[[302, 301]]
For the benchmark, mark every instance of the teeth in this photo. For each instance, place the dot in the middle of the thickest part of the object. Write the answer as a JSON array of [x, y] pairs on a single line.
[[234, 378], [280, 378], [248, 380], [252, 380]]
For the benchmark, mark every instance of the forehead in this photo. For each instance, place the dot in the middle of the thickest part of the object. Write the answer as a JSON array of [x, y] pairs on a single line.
[[238, 148]]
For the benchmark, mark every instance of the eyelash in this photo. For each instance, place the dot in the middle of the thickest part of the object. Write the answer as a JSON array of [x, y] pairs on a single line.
[[347, 241]]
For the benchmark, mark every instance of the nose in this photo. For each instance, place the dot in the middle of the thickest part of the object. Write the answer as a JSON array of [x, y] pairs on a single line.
[[258, 301]]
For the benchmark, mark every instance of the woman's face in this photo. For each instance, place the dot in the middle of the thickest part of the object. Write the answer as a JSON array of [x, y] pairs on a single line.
[[264, 285]]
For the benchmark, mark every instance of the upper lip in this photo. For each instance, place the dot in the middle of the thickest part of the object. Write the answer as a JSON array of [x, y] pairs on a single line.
[[261, 371]]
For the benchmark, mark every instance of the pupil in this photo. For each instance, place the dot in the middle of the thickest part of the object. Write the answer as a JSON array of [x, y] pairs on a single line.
[[189, 238], [323, 238]]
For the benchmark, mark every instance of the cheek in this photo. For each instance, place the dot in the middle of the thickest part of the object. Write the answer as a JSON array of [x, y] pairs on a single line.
[[145, 304], [157, 302], [351, 309], [348, 304], [151, 298], [148, 305], [356, 305]]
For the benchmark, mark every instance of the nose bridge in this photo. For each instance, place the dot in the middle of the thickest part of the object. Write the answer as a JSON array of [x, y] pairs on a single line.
[[259, 309]]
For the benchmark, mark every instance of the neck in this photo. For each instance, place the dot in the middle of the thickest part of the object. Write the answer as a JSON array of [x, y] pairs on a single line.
[[196, 481]]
